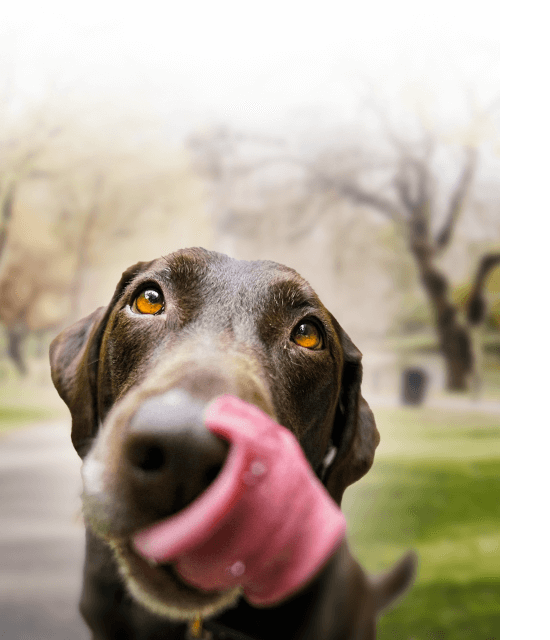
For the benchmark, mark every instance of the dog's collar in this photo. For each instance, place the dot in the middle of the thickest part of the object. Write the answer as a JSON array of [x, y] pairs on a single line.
[[212, 630], [327, 461]]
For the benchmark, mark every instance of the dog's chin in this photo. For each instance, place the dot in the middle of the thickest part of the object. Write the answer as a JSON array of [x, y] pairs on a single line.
[[161, 591]]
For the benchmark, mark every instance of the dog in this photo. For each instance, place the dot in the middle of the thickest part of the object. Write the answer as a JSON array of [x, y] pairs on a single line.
[[207, 325]]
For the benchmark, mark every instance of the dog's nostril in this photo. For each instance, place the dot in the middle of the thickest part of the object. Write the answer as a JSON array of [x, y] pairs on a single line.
[[212, 473], [148, 457]]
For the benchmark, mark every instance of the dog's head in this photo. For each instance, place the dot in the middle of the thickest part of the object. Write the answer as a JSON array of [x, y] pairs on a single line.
[[203, 325]]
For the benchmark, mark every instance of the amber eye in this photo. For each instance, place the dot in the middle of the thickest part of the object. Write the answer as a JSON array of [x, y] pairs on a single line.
[[307, 335], [149, 301]]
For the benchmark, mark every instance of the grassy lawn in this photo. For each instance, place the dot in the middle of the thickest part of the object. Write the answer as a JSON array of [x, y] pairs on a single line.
[[434, 487], [25, 400], [16, 416]]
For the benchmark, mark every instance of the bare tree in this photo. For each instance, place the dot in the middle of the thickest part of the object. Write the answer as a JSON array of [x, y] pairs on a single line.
[[32, 292], [410, 201], [66, 203], [19, 153], [402, 183]]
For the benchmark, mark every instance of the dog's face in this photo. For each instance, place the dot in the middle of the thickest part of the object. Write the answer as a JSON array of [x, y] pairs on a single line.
[[202, 325]]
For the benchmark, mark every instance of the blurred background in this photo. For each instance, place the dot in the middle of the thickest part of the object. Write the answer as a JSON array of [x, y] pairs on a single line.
[[358, 145]]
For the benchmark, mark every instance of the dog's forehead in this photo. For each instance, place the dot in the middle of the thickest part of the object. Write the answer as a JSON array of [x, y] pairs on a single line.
[[238, 283]]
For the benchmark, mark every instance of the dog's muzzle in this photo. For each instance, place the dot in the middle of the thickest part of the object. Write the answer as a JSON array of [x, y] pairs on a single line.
[[266, 523]]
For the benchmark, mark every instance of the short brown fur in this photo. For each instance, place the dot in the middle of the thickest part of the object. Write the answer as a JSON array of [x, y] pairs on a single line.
[[226, 328]]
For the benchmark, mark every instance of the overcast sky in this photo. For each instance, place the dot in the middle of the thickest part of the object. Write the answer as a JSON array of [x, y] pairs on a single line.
[[250, 62]]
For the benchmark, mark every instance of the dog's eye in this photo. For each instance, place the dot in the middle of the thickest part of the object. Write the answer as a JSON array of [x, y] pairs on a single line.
[[307, 335], [150, 301]]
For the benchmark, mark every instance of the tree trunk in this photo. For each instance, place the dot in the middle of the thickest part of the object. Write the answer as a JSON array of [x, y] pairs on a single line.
[[6, 215], [454, 338], [455, 346], [83, 251], [16, 338]]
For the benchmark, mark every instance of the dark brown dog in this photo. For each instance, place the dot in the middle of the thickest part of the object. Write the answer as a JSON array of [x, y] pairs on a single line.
[[203, 324]]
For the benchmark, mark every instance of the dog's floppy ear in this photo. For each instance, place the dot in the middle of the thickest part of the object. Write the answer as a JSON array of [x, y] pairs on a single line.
[[74, 357], [354, 434]]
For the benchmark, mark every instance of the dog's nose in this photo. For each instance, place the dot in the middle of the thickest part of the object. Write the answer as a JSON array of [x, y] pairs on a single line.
[[171, 457]]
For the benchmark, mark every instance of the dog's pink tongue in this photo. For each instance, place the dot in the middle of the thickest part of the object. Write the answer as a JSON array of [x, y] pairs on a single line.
[[266, 523]]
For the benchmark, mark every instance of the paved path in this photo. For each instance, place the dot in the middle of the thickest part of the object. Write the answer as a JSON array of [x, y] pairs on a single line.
[[41, 539], [445, 402]]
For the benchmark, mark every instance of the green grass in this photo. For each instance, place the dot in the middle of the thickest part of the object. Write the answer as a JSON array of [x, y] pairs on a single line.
[[434, 487], [442, 610], [16, 416], [25, 400]]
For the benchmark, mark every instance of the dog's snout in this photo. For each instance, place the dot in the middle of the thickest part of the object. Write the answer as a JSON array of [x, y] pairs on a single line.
[[170, 455]]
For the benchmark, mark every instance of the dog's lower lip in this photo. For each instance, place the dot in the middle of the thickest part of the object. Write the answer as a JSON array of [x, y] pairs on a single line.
[[151, 561], [161, 590], [166, 567]]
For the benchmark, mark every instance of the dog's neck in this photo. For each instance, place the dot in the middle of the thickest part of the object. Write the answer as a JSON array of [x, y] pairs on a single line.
[[217, 631]]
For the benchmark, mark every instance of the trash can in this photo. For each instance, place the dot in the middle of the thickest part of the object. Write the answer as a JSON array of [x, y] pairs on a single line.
[[414, 381]]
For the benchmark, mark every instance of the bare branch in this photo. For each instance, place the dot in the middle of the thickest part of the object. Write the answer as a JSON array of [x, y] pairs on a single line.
[[456, 203], [363, 197], [308, 223], [6, 214], [475, 307], [402, 183], [412, 185], [83, 247], [345, 189], [23, 169]]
